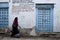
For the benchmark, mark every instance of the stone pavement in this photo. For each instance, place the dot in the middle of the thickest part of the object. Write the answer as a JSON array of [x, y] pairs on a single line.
[[29, 38], [5, 37]]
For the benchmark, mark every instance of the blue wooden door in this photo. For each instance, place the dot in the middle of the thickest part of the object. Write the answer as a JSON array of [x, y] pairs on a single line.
[[44, 19], [4, 15]]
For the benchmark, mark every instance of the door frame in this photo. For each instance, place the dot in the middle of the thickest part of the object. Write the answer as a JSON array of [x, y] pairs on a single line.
[[37, 15]]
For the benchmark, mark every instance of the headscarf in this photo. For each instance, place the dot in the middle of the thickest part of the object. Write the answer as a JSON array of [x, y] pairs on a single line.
[[15, 22]]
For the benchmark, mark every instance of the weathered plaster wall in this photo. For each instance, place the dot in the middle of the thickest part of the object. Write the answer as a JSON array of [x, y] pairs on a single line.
[[25, 19], [4, 0], [28, 20]]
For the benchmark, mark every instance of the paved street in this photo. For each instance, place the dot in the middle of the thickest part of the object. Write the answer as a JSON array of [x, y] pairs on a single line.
[[32, 38], [5, 37]]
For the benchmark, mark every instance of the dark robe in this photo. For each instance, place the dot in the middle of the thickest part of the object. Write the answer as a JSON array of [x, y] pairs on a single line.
[[15, 27]]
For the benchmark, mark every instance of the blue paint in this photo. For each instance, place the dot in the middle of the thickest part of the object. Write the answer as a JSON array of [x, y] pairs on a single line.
[[44, 18], [4, 15], [4, 4]]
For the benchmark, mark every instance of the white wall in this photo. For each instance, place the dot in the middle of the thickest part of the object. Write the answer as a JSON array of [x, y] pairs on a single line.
[[27, 20], [56, 13], [4, 0], [57, 16], [44, 1]]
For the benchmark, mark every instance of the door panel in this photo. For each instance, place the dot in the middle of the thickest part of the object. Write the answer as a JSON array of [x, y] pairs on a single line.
[[3, 17], [44, 19]]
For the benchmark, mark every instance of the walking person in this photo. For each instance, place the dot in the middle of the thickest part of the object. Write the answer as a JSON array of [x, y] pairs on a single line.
[[15, 27]]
